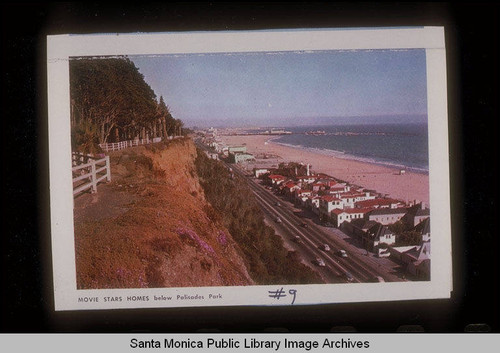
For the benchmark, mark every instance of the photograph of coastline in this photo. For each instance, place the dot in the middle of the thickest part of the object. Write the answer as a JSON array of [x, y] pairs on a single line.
[[296, 174], [336, 192]]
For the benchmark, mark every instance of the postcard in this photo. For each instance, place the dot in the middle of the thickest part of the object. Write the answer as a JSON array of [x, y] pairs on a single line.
[[238, 168]]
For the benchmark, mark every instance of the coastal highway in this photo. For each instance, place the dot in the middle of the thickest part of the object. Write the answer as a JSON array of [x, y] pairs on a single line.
[[361, 268], [313, 237]]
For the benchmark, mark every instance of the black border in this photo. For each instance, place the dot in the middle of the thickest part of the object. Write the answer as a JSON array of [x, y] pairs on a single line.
[[472, 55]]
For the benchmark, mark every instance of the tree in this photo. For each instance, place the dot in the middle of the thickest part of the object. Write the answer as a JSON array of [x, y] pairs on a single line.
[[111, 95], [407, 238]]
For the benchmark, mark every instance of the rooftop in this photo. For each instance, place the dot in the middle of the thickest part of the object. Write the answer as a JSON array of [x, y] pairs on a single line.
[[351, 210], [388, 211], [377, 202]]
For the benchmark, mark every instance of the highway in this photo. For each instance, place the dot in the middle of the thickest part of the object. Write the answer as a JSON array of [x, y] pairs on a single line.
[[361, 268], [313, 237]]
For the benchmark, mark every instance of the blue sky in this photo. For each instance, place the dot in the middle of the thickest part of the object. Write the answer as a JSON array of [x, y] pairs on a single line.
[[287, 89]]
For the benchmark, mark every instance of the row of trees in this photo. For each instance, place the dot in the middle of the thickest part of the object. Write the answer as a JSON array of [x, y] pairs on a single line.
[[110, 102]]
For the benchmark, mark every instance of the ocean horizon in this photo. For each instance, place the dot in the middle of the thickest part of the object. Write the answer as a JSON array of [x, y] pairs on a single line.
[[399, 146]]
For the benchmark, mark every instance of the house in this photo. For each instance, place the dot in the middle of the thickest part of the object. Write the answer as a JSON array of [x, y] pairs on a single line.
[[276, 179], [379, 203], [339, 188], [258, 172], [358, 227], [416, 259], [240, 157], [424, 228], [387, 216], [237, 149], [306, 179], [349, 198], [289, 188], [301, 196], [339, 216], [378, 234], [318, 186], [312, 203], [327, 204], [416, 214]]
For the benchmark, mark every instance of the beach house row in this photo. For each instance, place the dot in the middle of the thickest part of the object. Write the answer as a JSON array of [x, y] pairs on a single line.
[[235, 154], [365, 216]]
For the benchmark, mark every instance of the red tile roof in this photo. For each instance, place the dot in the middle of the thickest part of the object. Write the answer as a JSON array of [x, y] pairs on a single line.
[[329, 198], [376, 202], [290, 184], [276, 176]]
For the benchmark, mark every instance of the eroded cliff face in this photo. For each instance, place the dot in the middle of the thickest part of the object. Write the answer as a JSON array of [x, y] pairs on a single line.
[[152, 227]]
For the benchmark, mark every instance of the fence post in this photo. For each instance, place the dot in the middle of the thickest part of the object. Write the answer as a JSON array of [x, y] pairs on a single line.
[[93, 176], [108, 169]]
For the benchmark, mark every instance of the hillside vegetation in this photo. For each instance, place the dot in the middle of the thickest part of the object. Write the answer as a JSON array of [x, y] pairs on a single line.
[[234, 205]]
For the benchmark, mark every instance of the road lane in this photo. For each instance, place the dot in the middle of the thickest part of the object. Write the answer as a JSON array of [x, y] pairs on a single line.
[[356, 264]]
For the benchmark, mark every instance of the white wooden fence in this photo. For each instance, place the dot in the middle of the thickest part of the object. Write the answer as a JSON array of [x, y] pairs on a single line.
[[116, 146], [88, 175]]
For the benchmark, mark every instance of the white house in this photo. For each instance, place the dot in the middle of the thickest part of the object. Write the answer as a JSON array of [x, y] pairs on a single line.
[[301, 196], [339, 216], [387, 216], [312, 202], [327, 204], [379, 234], [258, 172]]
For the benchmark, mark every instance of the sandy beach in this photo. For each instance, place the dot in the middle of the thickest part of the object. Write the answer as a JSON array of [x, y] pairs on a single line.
[[407, 187]]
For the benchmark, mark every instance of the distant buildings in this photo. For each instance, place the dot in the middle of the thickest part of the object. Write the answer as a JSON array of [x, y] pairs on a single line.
[[235, 154]]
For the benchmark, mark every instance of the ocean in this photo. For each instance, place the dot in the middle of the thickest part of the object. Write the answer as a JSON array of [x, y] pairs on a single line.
[[402, 146]]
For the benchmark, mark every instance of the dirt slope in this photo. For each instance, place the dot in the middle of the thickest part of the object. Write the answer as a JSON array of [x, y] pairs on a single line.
[[150, 227]]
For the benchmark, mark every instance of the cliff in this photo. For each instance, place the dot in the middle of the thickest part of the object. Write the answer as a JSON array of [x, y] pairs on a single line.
[[152, 226]]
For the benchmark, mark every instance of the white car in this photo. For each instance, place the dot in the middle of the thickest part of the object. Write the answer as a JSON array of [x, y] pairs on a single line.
[[342, 253], [325, 247], [320, 262]]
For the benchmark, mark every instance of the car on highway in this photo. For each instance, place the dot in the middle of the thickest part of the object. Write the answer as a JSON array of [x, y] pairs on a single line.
[[325, 247], [342, 253], [319, 262], [348, 277], [278, 220]]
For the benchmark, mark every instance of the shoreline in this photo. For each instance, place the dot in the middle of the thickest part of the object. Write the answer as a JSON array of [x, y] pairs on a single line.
[[343, 155], [385, 180]]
